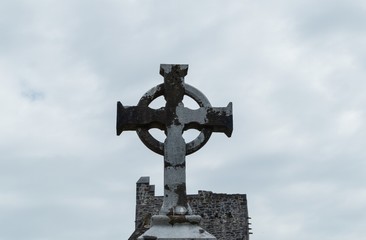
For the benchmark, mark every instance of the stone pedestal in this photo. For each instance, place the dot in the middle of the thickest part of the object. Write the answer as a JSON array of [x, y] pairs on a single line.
[[185, 227]]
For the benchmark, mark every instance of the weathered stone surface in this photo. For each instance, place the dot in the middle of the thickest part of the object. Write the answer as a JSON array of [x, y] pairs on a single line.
[[174, 119], [223, 215]]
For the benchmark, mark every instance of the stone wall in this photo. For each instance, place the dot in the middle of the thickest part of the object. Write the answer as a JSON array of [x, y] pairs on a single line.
[[223, 215]]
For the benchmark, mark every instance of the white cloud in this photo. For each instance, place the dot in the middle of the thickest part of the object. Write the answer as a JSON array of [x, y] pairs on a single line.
[[349, 122]]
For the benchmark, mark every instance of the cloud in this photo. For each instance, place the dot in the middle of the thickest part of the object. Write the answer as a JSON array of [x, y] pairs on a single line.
[[294, 72]]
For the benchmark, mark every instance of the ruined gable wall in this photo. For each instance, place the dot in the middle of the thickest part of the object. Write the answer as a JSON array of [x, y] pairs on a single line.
[[223, 215]]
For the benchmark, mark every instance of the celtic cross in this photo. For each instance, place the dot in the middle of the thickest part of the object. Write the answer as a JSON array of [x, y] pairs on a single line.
[[174, 119]]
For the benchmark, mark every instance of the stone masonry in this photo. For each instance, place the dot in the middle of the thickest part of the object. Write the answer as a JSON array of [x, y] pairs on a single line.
[[223, 215]]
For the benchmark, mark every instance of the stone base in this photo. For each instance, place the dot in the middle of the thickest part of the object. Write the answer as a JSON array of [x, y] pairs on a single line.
[[176, 227]]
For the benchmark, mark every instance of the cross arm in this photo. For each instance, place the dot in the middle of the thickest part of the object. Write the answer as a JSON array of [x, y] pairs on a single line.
[[132, 118], [219, 119]]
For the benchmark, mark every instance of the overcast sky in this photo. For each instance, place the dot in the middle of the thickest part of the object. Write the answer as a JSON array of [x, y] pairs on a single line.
[[294, 70]]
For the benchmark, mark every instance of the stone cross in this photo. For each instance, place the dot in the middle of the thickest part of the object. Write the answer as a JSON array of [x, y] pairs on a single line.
[[173, 119]]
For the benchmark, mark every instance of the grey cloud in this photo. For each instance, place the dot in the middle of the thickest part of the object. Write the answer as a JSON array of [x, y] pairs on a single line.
[[294, 72]]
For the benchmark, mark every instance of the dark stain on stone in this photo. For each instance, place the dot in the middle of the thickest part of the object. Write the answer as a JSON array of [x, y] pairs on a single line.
[[182, 195], [182, 165], [171, 212], [167, 164], [177, 219], [150, 238]]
